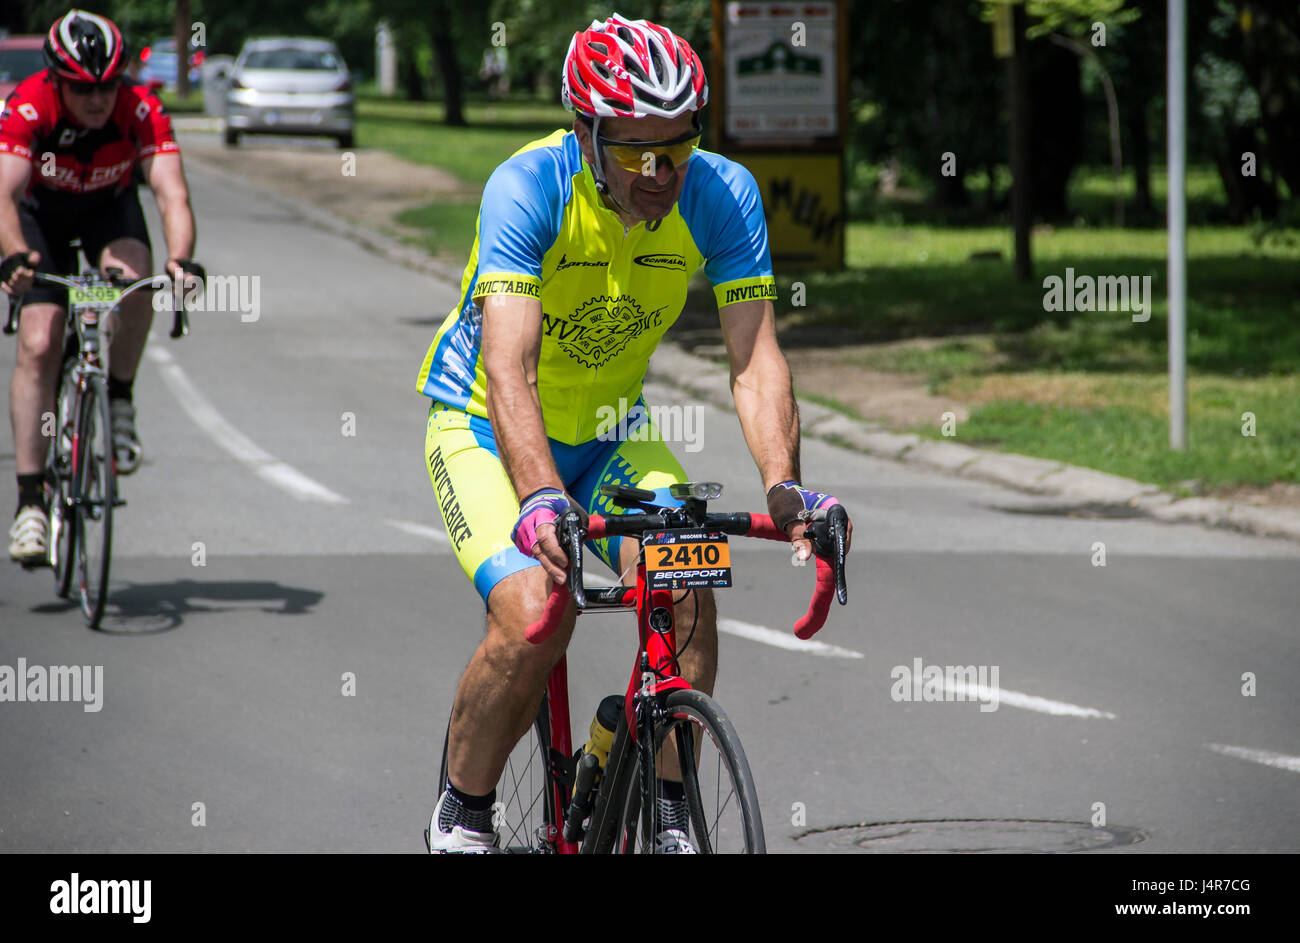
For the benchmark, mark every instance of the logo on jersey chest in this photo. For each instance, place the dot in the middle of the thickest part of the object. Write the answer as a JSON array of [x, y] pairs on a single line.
[[665, 260], [599, 330]]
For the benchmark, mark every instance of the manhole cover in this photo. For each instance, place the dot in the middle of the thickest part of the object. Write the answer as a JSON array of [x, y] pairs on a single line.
[[971, 837]]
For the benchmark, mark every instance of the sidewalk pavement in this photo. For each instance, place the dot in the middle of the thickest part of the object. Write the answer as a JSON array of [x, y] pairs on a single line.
[[1083, 488]]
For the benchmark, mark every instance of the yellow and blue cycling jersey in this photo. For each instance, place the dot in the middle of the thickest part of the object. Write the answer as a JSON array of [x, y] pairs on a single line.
[[608, 293]]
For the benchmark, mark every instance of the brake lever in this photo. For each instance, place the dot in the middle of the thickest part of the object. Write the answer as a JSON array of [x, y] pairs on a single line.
[[829, 538], [837, 520], [571, 533]]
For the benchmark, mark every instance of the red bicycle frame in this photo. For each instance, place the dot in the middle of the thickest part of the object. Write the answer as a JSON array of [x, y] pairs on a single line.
[[656, 648]]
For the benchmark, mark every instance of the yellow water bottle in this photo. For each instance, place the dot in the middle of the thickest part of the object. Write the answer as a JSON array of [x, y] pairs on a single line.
[[591, 760]]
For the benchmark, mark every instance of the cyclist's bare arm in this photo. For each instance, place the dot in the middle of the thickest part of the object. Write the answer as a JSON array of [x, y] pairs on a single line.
[[761, 386], [167, 181], [764, 395], [512, 343], [15, 173]]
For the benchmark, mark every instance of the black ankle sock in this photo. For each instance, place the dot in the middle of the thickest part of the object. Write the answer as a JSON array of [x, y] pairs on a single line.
[[471, 812], [119, 389], [31, 490]]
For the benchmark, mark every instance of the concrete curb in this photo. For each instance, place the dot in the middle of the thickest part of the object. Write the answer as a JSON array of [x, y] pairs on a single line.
[[675, 367]]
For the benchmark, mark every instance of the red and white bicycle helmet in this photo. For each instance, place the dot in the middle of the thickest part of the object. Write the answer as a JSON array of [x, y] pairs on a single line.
[[630, 69], [84, 47]]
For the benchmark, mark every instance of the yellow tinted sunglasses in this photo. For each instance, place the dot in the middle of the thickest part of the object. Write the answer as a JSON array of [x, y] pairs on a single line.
[[643, 157]]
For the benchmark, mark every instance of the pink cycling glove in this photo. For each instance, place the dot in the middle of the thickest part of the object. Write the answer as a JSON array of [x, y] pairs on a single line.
[[788, 503], [541, 507]]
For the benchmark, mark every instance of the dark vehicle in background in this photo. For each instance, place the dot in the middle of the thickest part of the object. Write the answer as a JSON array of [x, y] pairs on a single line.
[[285, 85], [158, 64], [20, 56]]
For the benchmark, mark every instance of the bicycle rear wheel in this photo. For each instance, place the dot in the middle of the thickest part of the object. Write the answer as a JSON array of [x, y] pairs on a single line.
[[719, 787], [524, 811], [94, 491], [63, 511]]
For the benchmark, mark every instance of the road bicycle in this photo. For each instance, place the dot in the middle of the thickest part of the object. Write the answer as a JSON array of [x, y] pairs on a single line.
[[81, 468], [550, 800]]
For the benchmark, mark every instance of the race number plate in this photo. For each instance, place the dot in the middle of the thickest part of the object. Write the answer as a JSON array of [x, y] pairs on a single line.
[[687, 559], [96, 295]]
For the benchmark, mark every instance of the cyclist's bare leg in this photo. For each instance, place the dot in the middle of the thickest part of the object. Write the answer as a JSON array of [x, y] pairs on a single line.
[[699, 662], [499, 692], [31, 389], [132, 256]]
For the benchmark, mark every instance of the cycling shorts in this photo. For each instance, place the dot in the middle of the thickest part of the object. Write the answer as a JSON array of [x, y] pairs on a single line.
[[479, 505], [50, 226]]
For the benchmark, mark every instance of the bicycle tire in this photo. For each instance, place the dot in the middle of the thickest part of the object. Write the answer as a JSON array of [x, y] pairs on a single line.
[[95, 490], [63, 511], [719, 824], [525, 803]]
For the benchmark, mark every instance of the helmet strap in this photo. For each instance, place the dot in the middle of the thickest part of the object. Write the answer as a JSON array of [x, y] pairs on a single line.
[[598, 169]]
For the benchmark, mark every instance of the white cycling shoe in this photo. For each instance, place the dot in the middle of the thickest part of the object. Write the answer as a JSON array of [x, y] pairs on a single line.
[[460, 840], [29, 537], [126, 442], [674, 842]]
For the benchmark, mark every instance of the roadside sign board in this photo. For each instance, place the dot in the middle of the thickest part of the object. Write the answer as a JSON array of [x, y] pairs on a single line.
[[780, 107], [781, 71]]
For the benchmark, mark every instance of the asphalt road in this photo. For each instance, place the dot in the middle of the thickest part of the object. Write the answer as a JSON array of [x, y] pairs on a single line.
[[322, 554]]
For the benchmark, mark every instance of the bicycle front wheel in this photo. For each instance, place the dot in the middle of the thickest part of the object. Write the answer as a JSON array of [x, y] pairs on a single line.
[[524, 811], [94, 491], [715, 777], [63, 509]]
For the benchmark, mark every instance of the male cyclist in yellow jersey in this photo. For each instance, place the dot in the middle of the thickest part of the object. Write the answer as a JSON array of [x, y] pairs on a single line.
[[586, 242]]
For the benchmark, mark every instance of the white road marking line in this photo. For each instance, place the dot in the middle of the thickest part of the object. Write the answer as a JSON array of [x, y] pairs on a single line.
[[206, 417], [786, 639], [1279, 760], [1029, 702], [423, 530]]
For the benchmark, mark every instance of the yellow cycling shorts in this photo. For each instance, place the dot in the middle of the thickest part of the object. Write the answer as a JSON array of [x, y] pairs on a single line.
[[478, 503]]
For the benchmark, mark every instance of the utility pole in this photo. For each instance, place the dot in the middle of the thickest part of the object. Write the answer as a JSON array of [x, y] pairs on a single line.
[[1177, 157]]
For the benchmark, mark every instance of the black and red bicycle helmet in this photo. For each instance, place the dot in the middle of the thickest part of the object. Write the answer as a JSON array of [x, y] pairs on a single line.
[[84, 47]]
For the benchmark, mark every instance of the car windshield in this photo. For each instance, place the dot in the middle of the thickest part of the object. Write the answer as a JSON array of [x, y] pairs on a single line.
[[17, 64], [309, 60]]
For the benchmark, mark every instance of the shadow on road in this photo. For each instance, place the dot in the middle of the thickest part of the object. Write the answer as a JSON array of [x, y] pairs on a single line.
[[150, 608]]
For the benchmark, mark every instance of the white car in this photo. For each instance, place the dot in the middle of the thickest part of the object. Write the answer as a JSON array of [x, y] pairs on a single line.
[[286, 85]]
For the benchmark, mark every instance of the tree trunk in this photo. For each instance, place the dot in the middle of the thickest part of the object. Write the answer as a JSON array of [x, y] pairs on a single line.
[[181, 33], [444, 50], [1140, 147]]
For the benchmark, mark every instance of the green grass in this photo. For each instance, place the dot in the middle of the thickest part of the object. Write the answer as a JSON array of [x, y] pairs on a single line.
[[447, 228], [1132, 440], [414, 132], [191, 104]]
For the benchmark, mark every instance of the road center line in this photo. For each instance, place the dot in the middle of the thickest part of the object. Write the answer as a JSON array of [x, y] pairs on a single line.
[[1029, 702], [423, 530], [786, 639], [206, 417], [1279, 760]]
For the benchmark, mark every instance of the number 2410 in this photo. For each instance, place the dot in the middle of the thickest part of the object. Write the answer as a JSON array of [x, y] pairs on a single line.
[[689, 555]]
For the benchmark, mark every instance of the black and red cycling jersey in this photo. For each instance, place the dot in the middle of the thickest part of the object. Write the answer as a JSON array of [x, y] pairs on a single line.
[[70, 162]]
